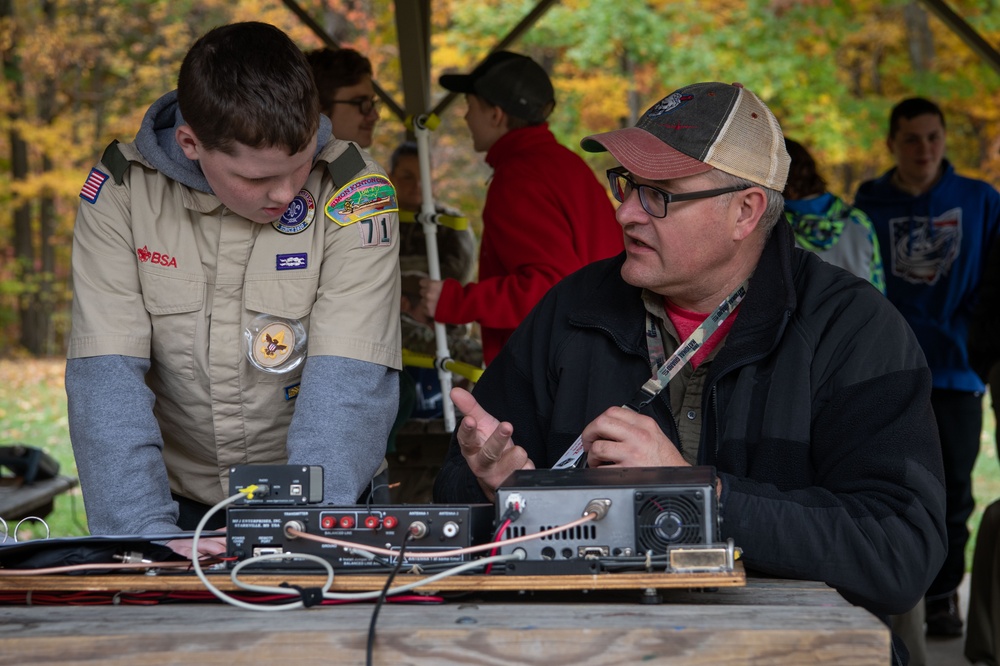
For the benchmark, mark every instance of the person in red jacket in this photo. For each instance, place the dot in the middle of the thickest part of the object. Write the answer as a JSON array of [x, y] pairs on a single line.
[[546, 214]]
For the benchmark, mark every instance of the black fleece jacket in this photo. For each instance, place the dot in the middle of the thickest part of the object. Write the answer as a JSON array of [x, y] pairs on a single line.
[[817, 418]]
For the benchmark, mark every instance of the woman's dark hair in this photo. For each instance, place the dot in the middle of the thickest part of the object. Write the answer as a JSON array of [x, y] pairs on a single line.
[[803, 178]]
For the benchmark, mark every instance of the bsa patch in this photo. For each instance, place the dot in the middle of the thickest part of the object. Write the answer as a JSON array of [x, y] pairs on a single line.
[[360, 199], [154, 257], [290, 262], [92, 188], [375, 231], [298, 216], [292, 392]]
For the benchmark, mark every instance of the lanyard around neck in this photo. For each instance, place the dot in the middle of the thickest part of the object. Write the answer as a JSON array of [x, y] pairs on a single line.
[[673, 365]]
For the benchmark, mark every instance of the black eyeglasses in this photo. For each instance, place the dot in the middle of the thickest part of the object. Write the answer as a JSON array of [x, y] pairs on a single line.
[[654, 200], [365, 104]]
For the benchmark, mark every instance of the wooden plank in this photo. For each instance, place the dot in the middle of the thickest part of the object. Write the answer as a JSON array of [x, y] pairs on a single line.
[[459, 633], [362, 582], [20, 501]]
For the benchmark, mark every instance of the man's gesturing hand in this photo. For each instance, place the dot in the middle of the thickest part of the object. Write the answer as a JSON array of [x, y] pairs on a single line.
[[622, 437], [486, 444]]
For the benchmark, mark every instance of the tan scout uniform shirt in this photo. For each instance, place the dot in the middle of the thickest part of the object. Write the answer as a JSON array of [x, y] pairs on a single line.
[[167, 273]]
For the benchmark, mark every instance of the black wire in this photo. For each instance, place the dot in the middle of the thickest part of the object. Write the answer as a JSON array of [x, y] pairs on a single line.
[[381, 599], [371, 493]]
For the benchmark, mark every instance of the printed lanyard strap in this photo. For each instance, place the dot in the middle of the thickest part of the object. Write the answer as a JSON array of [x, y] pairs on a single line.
[[669, 369]]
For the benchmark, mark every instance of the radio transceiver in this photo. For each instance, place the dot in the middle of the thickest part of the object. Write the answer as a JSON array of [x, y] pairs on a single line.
[[434, 528], [641, 510]]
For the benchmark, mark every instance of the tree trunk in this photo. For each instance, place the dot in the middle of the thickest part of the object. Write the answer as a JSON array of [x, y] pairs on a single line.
[[24, 246], [919, 39], [33, 242], [632, 95]]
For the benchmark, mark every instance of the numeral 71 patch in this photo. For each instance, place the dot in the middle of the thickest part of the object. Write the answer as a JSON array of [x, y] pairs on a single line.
[[375, 231]]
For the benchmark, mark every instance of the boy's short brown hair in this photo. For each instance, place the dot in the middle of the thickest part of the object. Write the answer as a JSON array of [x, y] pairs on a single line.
[[248, 83]]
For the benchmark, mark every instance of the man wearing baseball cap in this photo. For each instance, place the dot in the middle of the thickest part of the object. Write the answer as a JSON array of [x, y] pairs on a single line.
[[546, 214], [810, 398]]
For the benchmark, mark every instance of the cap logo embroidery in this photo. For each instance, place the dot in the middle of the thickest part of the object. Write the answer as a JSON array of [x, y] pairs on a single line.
[[676, 126], [668, 104]]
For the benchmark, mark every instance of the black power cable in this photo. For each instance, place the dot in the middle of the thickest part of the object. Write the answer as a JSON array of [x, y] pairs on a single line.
[[381, 598]]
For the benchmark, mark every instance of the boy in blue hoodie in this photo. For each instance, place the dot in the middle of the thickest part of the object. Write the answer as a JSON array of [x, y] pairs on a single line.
[[935, 229]]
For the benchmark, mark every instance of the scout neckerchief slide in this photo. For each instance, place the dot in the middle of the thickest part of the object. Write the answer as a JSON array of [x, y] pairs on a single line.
[[668, 370]]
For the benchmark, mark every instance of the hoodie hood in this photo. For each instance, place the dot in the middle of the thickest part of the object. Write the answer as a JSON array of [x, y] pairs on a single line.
[[158, 145], [817, 224]]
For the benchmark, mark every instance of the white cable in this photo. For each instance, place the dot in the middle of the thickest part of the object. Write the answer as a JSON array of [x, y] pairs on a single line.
[[222, 595], [361, 596], [465, 566], [267, 589]]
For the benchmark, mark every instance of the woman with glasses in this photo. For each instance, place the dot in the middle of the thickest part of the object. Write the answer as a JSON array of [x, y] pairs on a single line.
[[346, 93]]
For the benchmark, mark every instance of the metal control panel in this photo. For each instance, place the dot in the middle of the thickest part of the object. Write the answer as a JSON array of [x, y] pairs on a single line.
[[642, 510], [435, 528]]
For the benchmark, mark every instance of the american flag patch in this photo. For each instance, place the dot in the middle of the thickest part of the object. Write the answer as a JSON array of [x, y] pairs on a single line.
[[92, 188]]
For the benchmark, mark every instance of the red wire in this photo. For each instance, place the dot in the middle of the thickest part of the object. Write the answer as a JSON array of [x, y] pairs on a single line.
[[498, 539]]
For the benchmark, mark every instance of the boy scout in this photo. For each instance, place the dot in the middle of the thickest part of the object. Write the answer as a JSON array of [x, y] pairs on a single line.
[[236, 294]]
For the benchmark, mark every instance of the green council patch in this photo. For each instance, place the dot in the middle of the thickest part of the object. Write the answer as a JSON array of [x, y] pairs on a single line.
[[362, 198]]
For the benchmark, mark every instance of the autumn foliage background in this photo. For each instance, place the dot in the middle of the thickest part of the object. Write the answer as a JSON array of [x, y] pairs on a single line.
[[79, 73]]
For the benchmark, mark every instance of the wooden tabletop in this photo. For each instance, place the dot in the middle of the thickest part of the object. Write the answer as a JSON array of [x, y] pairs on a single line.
[[35, 499], [767, 621]]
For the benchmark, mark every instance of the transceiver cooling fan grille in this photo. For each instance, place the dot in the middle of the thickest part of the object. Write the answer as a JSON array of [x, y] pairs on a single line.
[[665, 520]]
